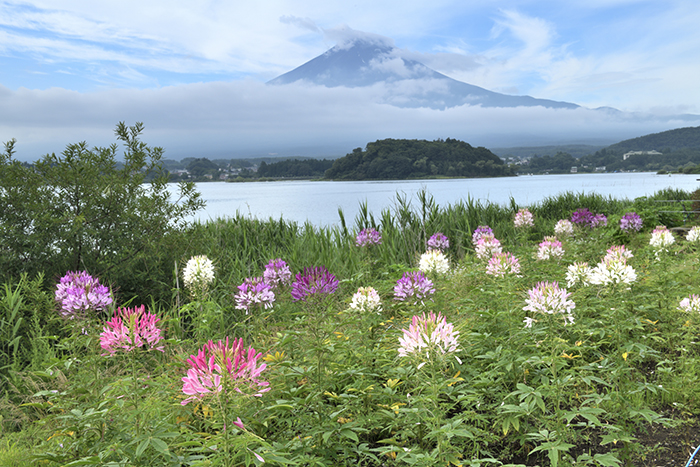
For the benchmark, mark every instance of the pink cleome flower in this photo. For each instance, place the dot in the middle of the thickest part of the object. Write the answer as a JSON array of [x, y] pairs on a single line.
[[130, 329], [429, 334], [220, 366]]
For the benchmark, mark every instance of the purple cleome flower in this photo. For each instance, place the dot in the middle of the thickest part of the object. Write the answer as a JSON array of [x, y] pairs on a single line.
[[413, 287], [368, 237], [277, 273], [585, 218], [254, 291], [313, 282], [480, 232], [631, 222], [438, 241], [79, 292]]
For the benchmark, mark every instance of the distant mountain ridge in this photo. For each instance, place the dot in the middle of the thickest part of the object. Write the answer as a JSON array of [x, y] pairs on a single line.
[[680, 138], [410, 83]]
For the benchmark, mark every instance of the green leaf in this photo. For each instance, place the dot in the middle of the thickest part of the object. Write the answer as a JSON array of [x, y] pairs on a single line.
[[159, 445], [142, 447], [349, 434]]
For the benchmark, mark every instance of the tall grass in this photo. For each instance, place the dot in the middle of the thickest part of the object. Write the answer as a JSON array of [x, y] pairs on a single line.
[[243, 245]]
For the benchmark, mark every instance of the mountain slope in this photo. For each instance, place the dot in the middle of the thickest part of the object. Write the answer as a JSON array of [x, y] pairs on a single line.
[[680, 138], [409, 83]]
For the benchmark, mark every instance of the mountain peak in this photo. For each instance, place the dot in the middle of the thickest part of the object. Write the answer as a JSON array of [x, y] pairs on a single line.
[[362, 59]]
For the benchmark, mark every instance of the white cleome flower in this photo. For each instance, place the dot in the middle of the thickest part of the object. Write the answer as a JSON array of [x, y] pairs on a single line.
[[198, 273], [434, 260]]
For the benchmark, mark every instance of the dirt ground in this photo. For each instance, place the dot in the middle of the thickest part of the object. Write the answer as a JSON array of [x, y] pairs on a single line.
[[669, 447]]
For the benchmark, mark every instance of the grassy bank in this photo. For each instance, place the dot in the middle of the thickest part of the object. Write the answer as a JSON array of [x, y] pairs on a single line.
[[599, 391]]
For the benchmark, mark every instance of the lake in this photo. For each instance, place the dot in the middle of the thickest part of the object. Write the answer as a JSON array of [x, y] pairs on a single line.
[[318, 202]]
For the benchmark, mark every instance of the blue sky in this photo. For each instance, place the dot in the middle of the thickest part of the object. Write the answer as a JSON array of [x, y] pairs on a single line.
[[194, 72]]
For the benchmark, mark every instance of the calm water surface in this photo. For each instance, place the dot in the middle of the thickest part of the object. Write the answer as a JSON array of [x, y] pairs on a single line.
[[318, 202]]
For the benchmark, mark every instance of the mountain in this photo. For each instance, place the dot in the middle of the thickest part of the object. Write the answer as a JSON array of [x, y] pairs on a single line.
[[671, 140], [409, 83]]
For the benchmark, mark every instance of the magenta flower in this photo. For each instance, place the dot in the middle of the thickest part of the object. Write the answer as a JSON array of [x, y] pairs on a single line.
[[501, 264], [313, 282], [548, 298], [631, 222], [219, 366], [368, 237], [438, 241], [413, 287], [480, 232], [582, 217], [254, 292], [430, 335], [79, 292], [277, 273], [129, 329]]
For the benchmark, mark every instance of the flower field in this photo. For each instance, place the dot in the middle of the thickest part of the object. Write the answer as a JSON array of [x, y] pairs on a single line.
[[562, 334]]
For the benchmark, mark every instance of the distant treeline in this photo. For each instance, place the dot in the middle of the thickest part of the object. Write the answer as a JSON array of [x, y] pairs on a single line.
[[311, 168], [673, 151], [398, 159]]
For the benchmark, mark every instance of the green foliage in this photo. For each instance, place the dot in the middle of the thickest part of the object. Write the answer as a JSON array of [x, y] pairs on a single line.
[[581, 394], [79, 211], [665, 141], [291, 168], [393, 159]]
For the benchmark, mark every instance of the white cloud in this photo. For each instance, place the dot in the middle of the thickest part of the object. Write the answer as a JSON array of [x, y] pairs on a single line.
[[243, 118]]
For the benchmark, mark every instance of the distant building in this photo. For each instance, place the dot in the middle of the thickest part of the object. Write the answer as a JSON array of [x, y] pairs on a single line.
[[574, 169], [626, 155], [600, 169]]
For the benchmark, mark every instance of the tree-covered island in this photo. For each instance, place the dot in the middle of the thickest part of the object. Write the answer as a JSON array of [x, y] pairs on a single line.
[[398, 159]]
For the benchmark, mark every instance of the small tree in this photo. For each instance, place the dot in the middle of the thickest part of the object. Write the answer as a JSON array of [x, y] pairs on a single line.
[[84, 210]]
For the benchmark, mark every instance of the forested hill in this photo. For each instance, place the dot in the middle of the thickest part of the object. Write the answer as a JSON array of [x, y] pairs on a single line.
[[672, 140], [398, 159]]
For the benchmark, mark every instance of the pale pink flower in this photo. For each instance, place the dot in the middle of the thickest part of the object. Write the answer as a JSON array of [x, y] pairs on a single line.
[[550, 248], [564, 228], [618, 253], [365, 300], [501, 264], [661, 239], [549, 298], [523, 219], [129, 329], [690, 304], [220, 365], [429, 334], [487, 246]]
